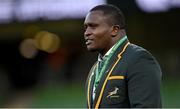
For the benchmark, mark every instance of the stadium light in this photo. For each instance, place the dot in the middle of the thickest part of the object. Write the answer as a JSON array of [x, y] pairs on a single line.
[[25, 10], [151, 6]]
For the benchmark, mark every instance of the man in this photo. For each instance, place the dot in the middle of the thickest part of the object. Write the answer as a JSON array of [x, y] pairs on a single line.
[[125, 74]]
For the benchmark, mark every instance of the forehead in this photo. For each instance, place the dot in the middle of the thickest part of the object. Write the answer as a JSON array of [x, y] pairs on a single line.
[[95, 16]]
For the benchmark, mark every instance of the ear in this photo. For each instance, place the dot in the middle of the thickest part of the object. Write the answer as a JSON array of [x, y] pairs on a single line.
[[115, 30]]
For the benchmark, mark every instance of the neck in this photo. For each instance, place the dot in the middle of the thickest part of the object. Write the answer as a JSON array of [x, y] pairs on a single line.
[[115, 39]]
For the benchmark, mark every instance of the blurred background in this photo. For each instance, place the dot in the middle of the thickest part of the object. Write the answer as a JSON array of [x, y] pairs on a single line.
[[43, 58]]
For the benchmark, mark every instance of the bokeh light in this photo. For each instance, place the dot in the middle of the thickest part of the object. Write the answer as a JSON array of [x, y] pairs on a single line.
[[47, 41], [28, 48]]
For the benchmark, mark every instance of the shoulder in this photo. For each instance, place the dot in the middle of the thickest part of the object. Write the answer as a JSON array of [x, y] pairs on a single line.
[[135, 52], [141, 59], [136, 49]]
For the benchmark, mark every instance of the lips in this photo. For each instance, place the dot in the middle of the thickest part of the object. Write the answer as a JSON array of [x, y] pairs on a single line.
[[88, 41]]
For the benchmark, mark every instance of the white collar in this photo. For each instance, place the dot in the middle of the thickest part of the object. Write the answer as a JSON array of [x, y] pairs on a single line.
[[100, 58]]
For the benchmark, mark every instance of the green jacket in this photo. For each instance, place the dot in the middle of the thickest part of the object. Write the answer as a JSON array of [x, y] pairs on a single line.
[[132, 79]]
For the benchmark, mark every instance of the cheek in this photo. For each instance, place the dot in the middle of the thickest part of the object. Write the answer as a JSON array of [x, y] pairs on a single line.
[[103, 37], [99, 39], [101, 42]]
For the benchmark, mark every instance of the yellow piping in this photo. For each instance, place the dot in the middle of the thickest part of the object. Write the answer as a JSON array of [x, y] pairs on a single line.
[[102, 90], [115, 77], [88, 96], [88, 91]]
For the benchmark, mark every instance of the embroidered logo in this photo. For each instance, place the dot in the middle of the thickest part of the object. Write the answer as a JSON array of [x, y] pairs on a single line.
[[113, 93]]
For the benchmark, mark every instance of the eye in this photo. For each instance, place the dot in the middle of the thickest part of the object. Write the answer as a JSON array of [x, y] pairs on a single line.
[[85, 27], [93, 26], [90, 26]]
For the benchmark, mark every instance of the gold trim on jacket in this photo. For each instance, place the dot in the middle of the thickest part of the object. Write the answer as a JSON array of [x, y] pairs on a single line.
[[103, 87], [107, 78]]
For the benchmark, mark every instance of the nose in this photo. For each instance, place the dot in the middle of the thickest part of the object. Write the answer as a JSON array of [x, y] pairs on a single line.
[[87, 32]]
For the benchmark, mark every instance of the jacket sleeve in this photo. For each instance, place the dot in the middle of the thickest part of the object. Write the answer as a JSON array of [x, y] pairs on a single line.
[[144, 81]]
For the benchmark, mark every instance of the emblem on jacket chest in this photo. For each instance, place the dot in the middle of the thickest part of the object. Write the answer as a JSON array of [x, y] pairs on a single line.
[[113, 93]]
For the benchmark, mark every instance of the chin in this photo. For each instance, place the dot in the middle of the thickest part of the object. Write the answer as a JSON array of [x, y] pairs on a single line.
[[91, 49]]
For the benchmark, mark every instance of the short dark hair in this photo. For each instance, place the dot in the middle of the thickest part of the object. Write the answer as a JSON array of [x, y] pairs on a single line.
[[116, 15]]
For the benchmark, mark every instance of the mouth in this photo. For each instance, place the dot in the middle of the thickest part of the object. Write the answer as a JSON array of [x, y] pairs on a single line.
[[88, 41]]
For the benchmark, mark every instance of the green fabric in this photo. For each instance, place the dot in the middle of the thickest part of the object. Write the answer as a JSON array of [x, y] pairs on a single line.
[[101, 68]]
